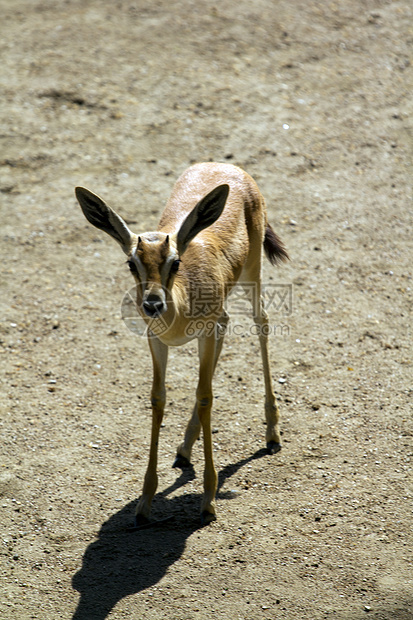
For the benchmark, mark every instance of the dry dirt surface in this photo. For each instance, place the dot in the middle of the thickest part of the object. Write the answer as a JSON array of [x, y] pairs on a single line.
[[314, 100]]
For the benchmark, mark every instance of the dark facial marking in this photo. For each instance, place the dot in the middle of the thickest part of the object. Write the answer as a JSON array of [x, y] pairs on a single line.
[[132, 267]]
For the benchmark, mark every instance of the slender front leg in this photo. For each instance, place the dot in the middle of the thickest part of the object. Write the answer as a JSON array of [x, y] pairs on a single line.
[[183, 457], [207, 359], [159, 353]]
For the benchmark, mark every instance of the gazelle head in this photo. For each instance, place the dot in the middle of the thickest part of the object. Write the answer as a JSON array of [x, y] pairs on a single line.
[[154, 257], [154, 262]]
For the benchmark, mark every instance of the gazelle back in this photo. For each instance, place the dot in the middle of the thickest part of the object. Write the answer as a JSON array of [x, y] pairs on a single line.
[[210, 236]]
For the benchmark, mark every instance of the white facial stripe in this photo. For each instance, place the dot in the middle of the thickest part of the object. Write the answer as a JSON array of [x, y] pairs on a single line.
[[141, 269], [166, 267]]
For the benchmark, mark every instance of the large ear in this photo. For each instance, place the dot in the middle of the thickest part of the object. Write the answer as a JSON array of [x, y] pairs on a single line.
[[102, 216], [205, 213]]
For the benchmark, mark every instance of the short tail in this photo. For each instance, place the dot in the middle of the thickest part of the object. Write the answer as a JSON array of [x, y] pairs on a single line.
[[274, 247]]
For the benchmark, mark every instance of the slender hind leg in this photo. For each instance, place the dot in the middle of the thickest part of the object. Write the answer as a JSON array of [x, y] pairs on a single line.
[[193, 429], [272, 415], [183, 454]]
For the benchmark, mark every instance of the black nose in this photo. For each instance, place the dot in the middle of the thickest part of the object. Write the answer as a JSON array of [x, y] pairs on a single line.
[[153, 308]]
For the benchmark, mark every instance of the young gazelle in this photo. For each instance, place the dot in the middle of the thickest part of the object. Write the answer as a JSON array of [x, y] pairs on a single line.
[[210, 236]]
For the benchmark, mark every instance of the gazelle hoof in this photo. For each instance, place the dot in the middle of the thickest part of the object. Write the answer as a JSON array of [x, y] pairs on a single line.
[[207, 517], [181, 462], [141, 521], [273, 447]]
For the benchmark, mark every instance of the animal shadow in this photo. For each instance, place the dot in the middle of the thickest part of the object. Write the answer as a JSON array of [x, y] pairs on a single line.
[[123, 561]]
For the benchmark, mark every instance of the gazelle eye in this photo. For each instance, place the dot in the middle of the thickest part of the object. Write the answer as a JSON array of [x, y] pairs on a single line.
[[132, 267], [175, 266]]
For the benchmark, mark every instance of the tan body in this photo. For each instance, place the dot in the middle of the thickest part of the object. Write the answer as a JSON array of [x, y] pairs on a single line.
[[210, 236]]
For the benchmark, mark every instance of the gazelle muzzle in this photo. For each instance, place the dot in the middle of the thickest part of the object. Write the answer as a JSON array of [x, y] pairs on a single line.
[[154, 304]]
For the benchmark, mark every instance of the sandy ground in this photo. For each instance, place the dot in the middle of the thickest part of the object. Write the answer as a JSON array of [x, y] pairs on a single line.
[[314, 100]]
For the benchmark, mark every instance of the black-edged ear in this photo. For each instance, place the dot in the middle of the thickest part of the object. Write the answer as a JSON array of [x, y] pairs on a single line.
[[205, 213], [98, 213]]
